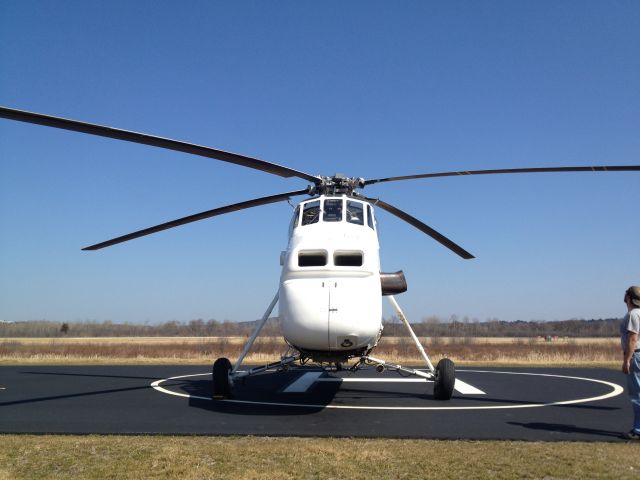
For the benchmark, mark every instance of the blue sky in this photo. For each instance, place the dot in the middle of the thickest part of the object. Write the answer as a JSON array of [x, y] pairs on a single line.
[[367, 88]]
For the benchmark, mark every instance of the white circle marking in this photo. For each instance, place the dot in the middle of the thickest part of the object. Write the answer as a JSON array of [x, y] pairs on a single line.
[[615, 390]]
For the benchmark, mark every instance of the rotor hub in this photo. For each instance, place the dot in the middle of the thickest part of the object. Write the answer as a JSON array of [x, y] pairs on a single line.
[[338, 184]]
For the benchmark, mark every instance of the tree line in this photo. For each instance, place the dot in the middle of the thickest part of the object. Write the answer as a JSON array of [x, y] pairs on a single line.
[[434, 327], [429, 327]]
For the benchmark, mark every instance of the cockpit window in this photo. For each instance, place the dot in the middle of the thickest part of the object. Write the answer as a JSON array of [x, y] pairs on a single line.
[[311, 213], [294, 220], [355, 213], [369, 216], [332, 210]]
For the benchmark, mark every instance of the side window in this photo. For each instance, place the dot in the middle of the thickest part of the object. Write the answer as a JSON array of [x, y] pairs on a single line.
[[369, 216], [311, 213], [355, 212], [294, 220], [332, 210]]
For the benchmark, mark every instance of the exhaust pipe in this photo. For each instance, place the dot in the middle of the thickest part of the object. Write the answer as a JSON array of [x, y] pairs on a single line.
[[393, 283]]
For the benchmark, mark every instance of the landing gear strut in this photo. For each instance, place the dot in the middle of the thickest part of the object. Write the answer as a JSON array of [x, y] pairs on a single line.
[[224, 374], [444, 375]]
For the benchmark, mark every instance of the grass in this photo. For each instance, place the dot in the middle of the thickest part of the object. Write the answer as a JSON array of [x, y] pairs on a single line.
[[123, 457], [198, 350]]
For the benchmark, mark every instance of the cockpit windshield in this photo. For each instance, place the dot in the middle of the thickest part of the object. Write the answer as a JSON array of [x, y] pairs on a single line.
[[355, 212], [333, 210], [311, 213]]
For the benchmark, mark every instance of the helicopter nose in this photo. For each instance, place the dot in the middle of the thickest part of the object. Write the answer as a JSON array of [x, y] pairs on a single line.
[[330, 314]]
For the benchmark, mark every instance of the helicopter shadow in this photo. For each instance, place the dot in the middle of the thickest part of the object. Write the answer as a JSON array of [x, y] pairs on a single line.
[[265, 394], [262, 395]]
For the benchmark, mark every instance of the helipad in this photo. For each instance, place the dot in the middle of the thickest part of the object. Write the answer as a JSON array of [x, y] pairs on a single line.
[[302, 388], [543, 404]]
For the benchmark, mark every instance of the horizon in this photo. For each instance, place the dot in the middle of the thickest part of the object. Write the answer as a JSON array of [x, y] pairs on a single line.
[[385, 320]]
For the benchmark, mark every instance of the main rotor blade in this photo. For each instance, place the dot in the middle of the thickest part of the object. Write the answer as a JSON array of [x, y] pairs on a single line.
[[177, 145], [438, 237], [198, 216], [597, 168]]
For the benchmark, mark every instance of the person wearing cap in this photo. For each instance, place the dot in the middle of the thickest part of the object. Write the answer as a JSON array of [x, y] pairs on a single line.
[[630, 339]]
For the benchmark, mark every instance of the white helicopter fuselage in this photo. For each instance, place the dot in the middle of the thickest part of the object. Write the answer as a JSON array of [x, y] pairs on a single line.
[[330, 295]]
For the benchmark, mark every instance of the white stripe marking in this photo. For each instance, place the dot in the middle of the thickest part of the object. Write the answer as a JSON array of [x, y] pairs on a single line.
[[371, 380], [460, 386], [466, 389], [303, 383]]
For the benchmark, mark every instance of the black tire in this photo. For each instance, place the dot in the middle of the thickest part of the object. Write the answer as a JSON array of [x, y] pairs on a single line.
[[445, 380], [221, 381]]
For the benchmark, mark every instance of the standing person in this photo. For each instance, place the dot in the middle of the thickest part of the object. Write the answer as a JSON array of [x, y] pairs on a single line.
[[630, 339]]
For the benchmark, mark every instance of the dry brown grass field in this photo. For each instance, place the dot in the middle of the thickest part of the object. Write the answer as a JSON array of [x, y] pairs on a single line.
[[471, 351]]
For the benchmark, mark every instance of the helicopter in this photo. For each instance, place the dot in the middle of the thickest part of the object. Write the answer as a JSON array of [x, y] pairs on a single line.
[[331, 287]]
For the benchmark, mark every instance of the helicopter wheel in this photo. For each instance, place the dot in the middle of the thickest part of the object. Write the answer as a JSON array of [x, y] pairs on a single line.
[[221, 380], [445, 380]]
